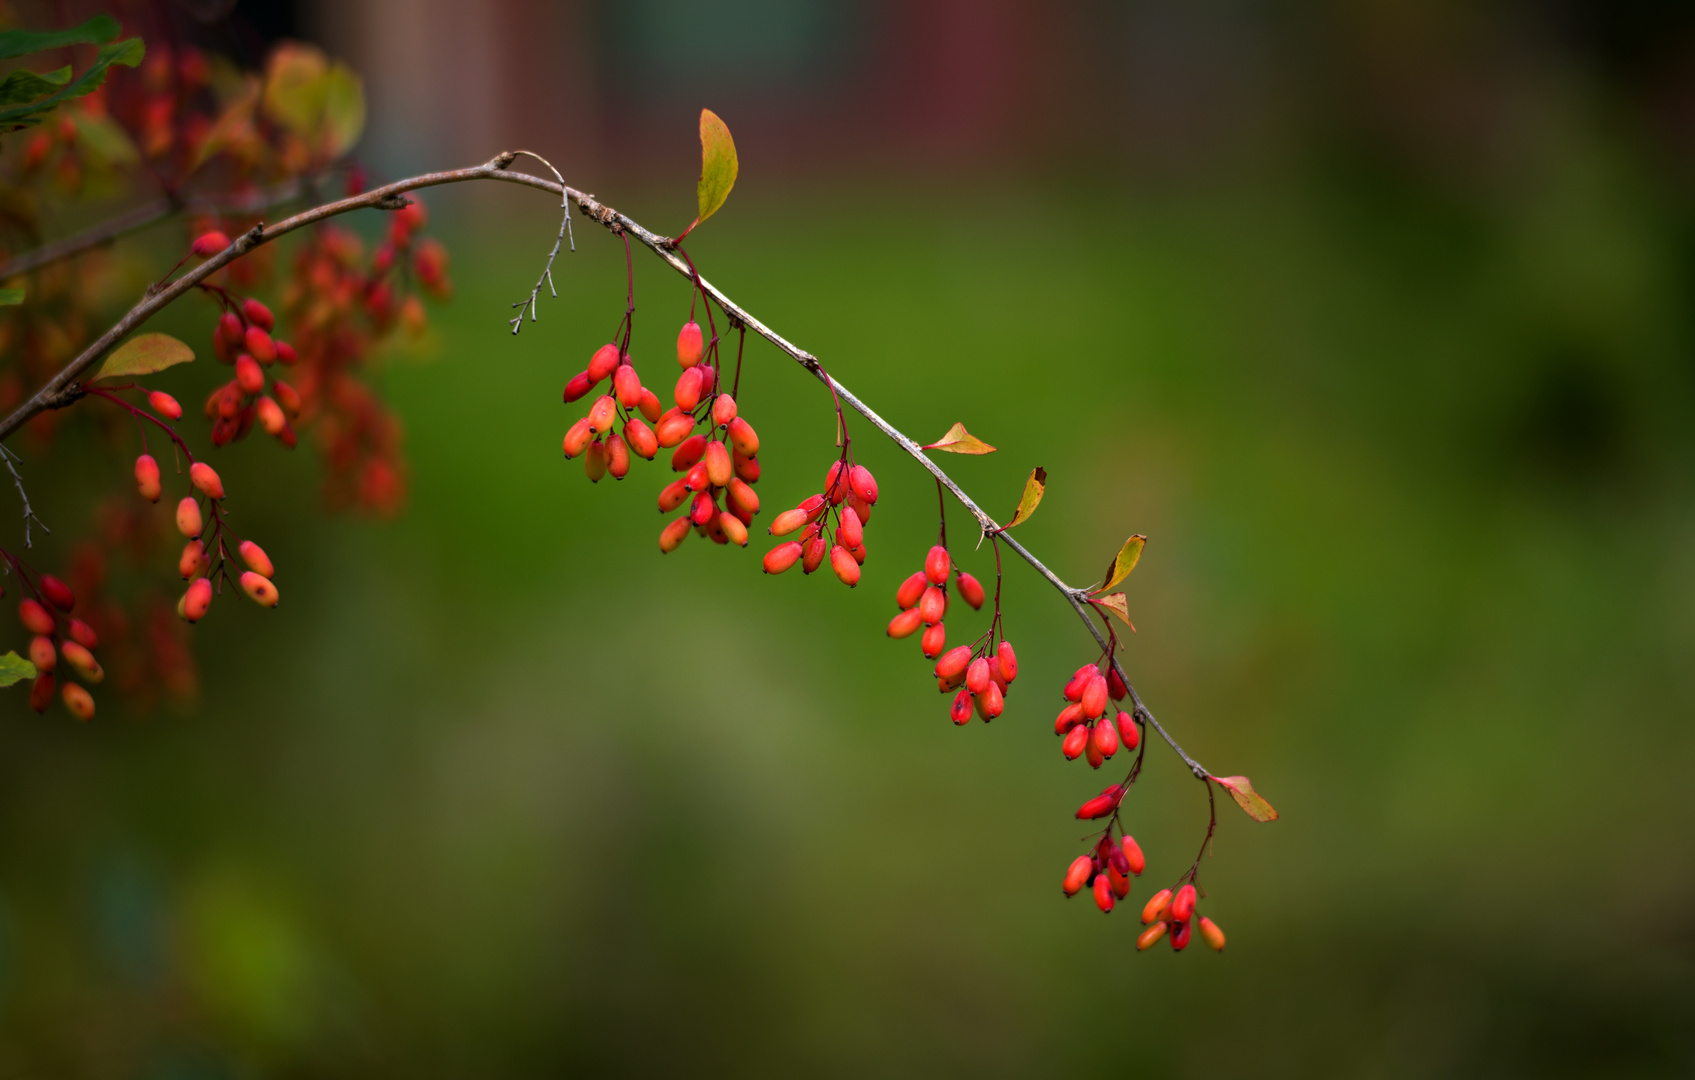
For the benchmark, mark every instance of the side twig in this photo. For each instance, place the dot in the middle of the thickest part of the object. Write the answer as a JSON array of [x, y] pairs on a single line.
[[8, 456]]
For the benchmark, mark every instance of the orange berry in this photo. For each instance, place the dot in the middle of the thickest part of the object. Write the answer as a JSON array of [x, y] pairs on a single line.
[[256, 559], [933, 641], [673, 427], [627, 386], [936, 565], [1106, 739], [673, 495], [188, 516], [577, 438], [844, 566], [83, 660], [261, 589], [970, 590], [594, 462], [270, 416], [1103, 894], [673, 534], [1154, 909], [933, 605], [977, 675], [1149, 937], [79, 701], [649, 406], [147, 478], [83, 634], [603, 414], [743, 437], [718, 467], [193, 561], [165, 405], [1009, 661], [258, 314], [687, 393], [640, 437], [747, 466], [197, 600], [864, 484], [1133, 857], [1212, 935], [1183, 904], [617, 457], [41, 652], [741, 497], [733, 528], [787, 522], [960, 711], [1077, 874], [782, 557], [1075, 740], [905, 624], [287, 396], [723, 409], [206, 480], [259, 345], [690, 344], [35, 617], [603, 363]]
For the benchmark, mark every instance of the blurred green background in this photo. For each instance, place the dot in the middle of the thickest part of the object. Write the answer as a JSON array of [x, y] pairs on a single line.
[[500, 791]]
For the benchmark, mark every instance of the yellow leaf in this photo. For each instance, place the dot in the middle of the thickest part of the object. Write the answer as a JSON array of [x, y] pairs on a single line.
[[960, 441], [1119, 605], [1032, 497], [718, 165], [233, 125], [294, 87], [344, 110], [143, 355], [1247, 798], [1126, 560]]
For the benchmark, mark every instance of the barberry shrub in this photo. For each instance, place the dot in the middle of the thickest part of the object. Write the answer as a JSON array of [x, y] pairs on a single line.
[[294, 333]]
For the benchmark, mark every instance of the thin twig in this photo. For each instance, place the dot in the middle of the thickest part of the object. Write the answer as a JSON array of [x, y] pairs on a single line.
[[8, 456], [547, 271]]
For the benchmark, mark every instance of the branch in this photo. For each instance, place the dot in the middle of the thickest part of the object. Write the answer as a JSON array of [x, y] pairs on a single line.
[[8, 457], [389, 197]]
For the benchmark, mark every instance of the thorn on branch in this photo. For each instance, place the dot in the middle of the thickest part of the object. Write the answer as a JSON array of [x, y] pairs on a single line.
[[392, 201]]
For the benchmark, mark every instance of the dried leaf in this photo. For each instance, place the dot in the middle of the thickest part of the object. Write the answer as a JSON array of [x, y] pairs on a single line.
[[1247, 798], [1032, 497], [1119, 605], [15, 669], [143, 355], [718, 165], [960, 441], [1124, 562], [11, 297]]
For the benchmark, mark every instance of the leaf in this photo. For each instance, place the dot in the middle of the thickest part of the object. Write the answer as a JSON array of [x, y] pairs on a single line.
[[103, 140], [96, 31], [15, 669], [1032, 497], [143, 355], [1247, 798], [960, 441], [294, 87], [1119, 605], [718, 165], [11, 297], [127, 52], [1126, 560], [344, 110], [233, 125], [29, 85]]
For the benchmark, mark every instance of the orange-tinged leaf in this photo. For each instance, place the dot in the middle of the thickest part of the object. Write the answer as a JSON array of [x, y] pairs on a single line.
[[143, 355], [1247, 798], [960, 441], [1034, 488], [1118, 605], [718, 165], [294, 87], [233, 125], [1124, 562]]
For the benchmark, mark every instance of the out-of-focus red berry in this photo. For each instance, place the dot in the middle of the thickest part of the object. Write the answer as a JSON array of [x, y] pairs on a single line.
[[79, 701], [287, 396], [147, 478], [83, 661], [197, 600], [193, 561], [42, 654], [188, 516], [261, 589], [259, 345], [208, 244], [1154, 910], [248, 374], [1183, 904], [165, 405], [258, 314], [206, 480], [1211, 934], [256, 559], [84, 635], [41, 692]]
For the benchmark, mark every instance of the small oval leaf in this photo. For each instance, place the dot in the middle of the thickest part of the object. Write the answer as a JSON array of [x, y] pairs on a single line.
[[718, 165], [1124, 562], [143, 355], [1034, 489], [960, 441], [15, 669], [1247, 798]]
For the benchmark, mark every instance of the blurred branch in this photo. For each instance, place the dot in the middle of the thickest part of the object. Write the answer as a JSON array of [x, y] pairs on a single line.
[[60, 390]]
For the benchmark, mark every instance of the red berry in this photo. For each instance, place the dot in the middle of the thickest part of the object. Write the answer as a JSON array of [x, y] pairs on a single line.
[[41, 692], [813, 551], [270, 416], [649, 406], [1101, 805], [248, 376], [208, 244], [936, 565], [850, 532], [627, 386], [747, 466], [1154, 910], [1212, 935], [1133, 857], [718, 467], [933, 641], [1183, 904], [688, 389], [79, 701], [933, 605], [702, 509], [188, 517], [743, 437], [594, 462], [197, 600], [1115, 686], [1128, 732], [673, 427], [741, 497], [1009, 661], [723, 409], [258, 314], [1069, 717], [844, 565], [733, 528], [690, 344], [960, 711], [287, 396], [1075, 740], [861, 508], [193, 561], [863, 483], [286, 354], [1093, 699], [83, 661], [147, 478], [258, 343], [165, 405], [1092, 754], [42, 654], [640, 437], [977, 675], [603, 363], [835, 484], [1180, 933], [1077, 874], [577, 438], [603, 414], [206, 480], [617, 456], [911, 590], [673, 534], [1114, 856], [1103, 894], [83, 634], [673, 495], [256, 559], [688, 453], [1120, 883], [970, 590], [782, 557], [954, 663]]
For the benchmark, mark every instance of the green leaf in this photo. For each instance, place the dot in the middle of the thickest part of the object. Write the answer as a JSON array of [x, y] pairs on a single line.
[[1124, 562], [718, 165], [143, 355], [96, 31], [1247, 798], [15, 669], [344, 110], [960, 441], [1118, 604], [232, 124], [294, 87], [127, 52], [103, 140], [28, 85], [11, 297], [1034, 489]]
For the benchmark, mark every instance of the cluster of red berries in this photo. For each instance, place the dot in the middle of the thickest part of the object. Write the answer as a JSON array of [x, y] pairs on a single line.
[[1107, 870], [201, 564], [923, 600], [42, 615], [243, 339], [850, 491], [1172, 913], [1085, 723]]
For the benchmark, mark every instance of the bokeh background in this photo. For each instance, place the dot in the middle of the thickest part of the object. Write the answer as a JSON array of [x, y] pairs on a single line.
[[1376, 317]]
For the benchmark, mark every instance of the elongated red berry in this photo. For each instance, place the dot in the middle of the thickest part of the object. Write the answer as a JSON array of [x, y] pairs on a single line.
[[960, 711], [742, 497], [673, 495], [860, 508], [578, 385], [970, 590], [747, 467], [1183, 904], [814, 549], [256, 559], [270, 416], [603, 363], [723, 409], [782, 557], [995, 674], [1092, 754], [193, 561], [83, 661], [1180, 934], [905, 624], [1115, 686], [83, 634], [1133, 857], [205, 479], [1114, 856], [1128, 732], [1101, 805], [849, 531], [287, 396], [147, 478], [1068, 718], [1075, 740], [687, 393], [1148, 938], [577, 438], [935, 639], [208, 244], [603, 414], [594, 462], [733, 528], [1211, 934], [933, 605], [1106, 738], [954, 662], [188, 517], [1120, 883], [1074, 689], [617, 456], [690, 344], [1009, 661], [248, 375], [627, 386], [1103, 894], [259, 345], [197, 600], [673, 427], [285, 353], [1094, 697], [640, 437], [1077, 874], [718, 467], [673, 534], [42, 653], [688, 452], [1154, 910], [41, 692], [842, 562], [702, 510], [863, 483], [977, 675], [79, 701], [258, 314], [650, 407], [165, 405], [743, 437], [787, 522], [911, 590], [262, 590], [937, 565]]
